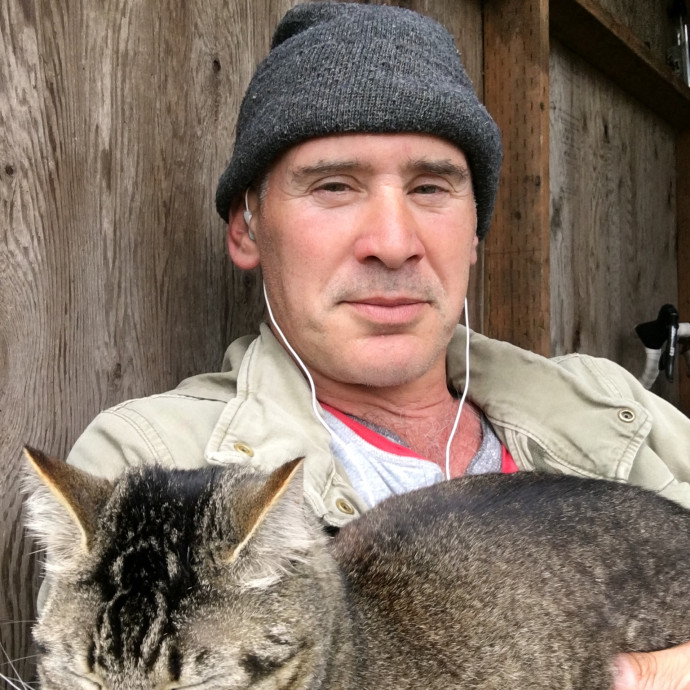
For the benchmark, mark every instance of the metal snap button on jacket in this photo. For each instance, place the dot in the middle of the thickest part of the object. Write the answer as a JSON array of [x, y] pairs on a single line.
[[626, 415], [244, 448], [344, 506]]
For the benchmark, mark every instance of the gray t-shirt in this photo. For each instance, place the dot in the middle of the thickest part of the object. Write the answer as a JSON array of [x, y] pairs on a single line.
[[377, 474]]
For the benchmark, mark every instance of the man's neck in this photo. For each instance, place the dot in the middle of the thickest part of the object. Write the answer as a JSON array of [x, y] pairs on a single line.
[[422, 417]]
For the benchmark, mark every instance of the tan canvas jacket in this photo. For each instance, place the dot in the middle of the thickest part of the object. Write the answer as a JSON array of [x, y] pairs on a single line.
[[574, 414]]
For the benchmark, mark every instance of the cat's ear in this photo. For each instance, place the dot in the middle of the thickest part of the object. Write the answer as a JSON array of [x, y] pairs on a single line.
[[63, 505], [278, 530]]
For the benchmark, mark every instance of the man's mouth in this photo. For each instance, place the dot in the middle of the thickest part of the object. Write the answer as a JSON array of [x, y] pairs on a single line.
[[388, 309]]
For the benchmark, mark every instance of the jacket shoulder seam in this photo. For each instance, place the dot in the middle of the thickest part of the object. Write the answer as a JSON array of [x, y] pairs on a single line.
[[144, 430]]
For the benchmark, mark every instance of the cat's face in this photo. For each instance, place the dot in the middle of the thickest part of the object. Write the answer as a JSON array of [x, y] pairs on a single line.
[[257, 639], [191, 585]]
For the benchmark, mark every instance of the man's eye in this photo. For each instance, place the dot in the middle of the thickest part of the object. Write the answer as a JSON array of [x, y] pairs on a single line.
[[333, 187], [428, 189]]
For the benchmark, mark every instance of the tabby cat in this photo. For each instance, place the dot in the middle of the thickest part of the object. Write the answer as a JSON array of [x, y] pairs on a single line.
[[218, 579]]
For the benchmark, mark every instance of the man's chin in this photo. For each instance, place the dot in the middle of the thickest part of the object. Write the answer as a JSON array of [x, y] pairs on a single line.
[[390, 372], [388, 379], [384, 362]]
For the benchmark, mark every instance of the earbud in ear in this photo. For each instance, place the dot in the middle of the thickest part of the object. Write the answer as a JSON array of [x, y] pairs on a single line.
[[247, 212], [248, 216]]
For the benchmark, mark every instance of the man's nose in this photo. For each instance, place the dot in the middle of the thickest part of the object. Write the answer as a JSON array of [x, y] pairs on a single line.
[[389, 230]]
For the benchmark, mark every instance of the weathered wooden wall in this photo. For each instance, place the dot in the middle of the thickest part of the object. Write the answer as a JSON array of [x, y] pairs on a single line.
[[116, 120], [583, 154], [625, 41], [516, 292], [647, 19], [613, 215]]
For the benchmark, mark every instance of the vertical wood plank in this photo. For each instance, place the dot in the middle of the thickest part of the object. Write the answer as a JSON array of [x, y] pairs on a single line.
[[516, 93], [683, 206], [116, 120], [613, 215], [617, 47]]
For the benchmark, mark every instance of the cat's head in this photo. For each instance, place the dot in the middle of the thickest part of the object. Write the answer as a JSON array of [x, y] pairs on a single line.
[[211, 578]]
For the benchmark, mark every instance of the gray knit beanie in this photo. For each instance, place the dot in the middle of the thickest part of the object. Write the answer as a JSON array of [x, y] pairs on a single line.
[[343, 67]]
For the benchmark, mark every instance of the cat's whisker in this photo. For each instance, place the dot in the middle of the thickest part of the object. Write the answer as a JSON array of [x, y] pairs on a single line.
[[11, 621], [13, 684], [21, 658], [14, 669]]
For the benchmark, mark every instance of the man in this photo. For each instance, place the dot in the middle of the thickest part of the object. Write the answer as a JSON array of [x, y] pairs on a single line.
[[363, 177]]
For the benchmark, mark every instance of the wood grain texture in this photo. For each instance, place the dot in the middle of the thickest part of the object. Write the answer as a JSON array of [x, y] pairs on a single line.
[[610, 43], [115, 122], [648, 21], [613, 215], [516, 282]]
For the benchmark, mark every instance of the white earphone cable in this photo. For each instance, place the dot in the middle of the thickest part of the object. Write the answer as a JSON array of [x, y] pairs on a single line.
[[300, 363], [464, 392]]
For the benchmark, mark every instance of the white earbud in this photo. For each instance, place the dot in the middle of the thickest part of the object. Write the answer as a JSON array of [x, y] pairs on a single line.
[[248, 216]]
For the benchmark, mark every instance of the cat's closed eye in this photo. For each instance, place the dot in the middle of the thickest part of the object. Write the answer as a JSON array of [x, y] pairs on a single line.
[[257, 666], [274, 654]]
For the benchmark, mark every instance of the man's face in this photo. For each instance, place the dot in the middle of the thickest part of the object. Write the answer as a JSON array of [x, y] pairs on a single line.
[[366, 242]]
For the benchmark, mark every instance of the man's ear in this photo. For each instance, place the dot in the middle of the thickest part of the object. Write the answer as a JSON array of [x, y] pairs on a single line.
[[243, 250]]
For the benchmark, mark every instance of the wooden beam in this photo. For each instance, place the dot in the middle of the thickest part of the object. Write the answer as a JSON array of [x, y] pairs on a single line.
[[516, 92], [683, 211], [598, 37]]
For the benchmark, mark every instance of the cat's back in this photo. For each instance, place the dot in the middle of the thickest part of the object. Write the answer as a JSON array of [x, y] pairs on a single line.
[[529, 569], [548, 511]]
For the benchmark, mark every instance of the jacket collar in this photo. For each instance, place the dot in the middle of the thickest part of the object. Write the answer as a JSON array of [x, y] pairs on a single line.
[[567, 407], [268, 420]]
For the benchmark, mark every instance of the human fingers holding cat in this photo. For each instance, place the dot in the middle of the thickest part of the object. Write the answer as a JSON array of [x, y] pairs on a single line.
[[668, 669]]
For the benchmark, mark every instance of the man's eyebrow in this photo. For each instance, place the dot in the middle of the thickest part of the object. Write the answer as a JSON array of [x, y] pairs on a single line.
[[333, 167], [439, 167]]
